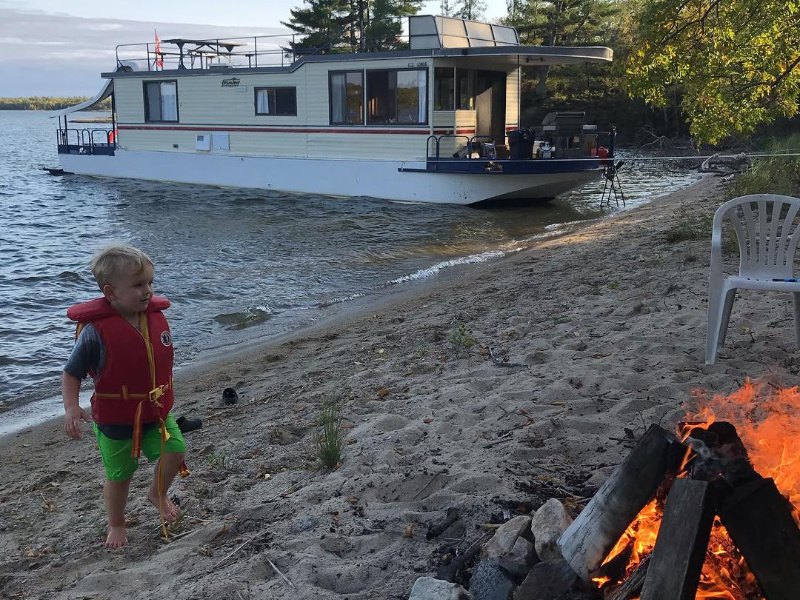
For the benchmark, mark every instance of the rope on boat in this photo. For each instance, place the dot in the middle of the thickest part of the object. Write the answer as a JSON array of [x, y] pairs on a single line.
[[705, 156]]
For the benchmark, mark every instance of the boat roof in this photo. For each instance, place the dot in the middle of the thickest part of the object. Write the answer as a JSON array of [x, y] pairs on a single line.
[[501, 56]]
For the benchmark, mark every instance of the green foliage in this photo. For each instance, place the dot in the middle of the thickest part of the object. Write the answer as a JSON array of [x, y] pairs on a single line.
[[47, 103], [461, 340], [328, 439], [689, 226], [735, 64], [330, 26], [564, 23], [474, 10], [772, 174], [217, 460]]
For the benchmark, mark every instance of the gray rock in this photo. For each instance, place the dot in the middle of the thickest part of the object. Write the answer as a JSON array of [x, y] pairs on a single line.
[[506, 536], [551, 579], [490, 582], [303, 524], [547, 525], [428, 588], [519, 561]]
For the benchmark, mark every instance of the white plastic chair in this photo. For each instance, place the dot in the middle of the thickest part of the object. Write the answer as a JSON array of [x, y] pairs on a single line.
[[768, 231]]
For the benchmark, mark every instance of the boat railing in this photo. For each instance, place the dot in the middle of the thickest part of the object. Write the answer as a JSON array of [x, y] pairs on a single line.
[[279, 50], [86, 141], [540, 142], [216, 53]]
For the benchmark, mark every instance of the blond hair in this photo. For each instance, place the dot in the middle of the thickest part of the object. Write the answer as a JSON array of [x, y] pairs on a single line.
[[115, 260]]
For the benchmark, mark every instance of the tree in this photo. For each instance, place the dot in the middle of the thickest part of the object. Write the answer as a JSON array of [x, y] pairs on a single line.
[[561, 23], [735, 62], [350, 25], [447, 8], [321, 23], [473, 10]]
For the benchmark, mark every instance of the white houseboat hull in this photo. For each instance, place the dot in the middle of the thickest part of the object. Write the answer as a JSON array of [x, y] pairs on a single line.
[[389, 179]]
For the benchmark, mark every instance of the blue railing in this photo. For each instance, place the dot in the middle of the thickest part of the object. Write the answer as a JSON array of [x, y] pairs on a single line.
[[532, 143], [86, 141]]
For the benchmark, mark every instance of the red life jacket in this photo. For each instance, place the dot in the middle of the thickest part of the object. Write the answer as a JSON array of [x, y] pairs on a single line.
[[135, 385]]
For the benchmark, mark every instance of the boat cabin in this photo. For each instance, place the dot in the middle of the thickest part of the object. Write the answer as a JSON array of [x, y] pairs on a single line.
[[453, 93]]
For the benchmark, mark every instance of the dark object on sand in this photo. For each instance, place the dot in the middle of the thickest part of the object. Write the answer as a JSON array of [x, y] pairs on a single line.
[[229, 396], [186, 425], [439, 528]]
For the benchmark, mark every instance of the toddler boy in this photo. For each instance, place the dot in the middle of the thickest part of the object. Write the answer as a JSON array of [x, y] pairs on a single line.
[[124, 343]]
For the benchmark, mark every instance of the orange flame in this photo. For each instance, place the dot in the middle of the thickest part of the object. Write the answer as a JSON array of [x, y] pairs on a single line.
[[767, 420]]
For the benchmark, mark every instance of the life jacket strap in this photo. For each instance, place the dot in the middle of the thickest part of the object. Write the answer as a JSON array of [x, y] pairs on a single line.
[[153, 397]]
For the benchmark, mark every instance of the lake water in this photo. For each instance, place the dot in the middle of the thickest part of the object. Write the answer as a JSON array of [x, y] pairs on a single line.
[[236, 264]]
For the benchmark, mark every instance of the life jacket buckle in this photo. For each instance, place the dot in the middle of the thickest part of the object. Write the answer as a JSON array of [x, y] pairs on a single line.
[[154, 394]]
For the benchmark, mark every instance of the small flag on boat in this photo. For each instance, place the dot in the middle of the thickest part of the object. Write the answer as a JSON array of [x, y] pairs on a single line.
[[159, 57]]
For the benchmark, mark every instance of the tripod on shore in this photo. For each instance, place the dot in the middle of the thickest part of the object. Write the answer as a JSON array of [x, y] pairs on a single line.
[[612, 184]]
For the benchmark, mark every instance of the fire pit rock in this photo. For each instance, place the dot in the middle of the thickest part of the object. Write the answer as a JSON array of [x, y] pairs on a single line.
[[547, 525], [553, 579], [506, 536], [428, 588], [490, 582]]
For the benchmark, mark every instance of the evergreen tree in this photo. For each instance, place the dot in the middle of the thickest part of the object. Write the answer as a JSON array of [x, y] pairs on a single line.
[[321, 24], [447, 8], [474, 10], [562, 23], [351, 25]]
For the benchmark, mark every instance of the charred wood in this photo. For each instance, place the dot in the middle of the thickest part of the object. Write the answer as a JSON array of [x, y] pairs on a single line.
[[437, 529], [632, 586], [720, 455], [682, 541], [759, 520], [593, 534]]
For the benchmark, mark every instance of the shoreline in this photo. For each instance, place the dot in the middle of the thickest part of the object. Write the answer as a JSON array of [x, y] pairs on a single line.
[[580, 343], [39, 409]]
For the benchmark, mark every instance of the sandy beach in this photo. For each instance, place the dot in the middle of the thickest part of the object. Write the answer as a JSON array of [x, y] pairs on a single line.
[[580, 343]]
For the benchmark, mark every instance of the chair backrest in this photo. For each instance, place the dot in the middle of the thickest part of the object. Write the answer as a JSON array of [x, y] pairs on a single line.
[[768, 231]]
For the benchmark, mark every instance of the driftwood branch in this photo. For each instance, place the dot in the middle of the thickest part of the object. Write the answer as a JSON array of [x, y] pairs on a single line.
[[271, 564], [239, 547]]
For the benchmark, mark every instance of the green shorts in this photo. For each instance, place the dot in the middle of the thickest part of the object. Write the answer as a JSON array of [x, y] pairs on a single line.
[[117, 459]]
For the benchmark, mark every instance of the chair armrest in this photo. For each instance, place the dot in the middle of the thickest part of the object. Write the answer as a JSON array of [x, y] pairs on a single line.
[[716, 250]]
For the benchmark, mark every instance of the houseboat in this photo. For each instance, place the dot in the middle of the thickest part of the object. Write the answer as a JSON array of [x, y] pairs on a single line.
[[435, 121]]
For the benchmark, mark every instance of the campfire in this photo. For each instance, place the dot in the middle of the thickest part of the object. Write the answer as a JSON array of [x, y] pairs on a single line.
[[711, 512]]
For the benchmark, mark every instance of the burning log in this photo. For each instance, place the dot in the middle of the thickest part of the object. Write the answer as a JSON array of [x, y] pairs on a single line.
[[632, 586], [593, 534], [680, 550], [759, 520], [720, 454]]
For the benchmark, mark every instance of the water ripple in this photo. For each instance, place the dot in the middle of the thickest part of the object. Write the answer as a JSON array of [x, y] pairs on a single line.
[[236, 264]]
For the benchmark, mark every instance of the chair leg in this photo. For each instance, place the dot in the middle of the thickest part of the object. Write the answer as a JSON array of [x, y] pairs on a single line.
[[715, 309], [796, 298], [730, 295]]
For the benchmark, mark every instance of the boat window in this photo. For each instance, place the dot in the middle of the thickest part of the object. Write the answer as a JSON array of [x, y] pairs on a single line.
[[161, 101], [444, 88], [281, 101], [465, 89], [347, 98], [397, 97], [382, 102]]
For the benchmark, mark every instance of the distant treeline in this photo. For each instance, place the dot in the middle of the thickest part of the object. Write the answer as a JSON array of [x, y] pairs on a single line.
[[48, 103]]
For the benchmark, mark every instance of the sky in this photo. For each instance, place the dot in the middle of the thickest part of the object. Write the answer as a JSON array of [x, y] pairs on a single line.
[[60, 47]]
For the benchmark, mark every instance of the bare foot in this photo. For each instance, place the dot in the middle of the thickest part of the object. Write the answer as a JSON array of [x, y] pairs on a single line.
[[117, 538], [168, 510]]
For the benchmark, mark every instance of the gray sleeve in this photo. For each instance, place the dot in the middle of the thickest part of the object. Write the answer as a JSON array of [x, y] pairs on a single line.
[[88, 354]]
